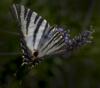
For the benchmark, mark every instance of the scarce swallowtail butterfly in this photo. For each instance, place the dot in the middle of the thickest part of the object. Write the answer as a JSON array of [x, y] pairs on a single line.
[[38, 38]]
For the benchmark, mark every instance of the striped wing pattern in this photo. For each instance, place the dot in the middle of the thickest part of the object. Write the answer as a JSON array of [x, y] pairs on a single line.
[[36, 34]]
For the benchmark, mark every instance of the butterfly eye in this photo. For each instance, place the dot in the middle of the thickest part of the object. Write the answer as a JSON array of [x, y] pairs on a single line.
[[35, 53]]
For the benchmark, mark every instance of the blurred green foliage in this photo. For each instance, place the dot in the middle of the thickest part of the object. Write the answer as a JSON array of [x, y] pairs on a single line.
[[80, 70]]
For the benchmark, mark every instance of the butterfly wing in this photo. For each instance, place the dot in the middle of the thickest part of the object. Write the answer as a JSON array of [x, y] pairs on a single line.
[[33, 28], [54, 45], [36, 34]]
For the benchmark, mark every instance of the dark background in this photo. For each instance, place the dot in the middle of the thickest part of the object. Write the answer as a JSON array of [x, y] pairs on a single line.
[[80, 70]]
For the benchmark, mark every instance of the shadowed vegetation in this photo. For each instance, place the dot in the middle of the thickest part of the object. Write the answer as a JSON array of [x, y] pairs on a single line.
[[80, 70]]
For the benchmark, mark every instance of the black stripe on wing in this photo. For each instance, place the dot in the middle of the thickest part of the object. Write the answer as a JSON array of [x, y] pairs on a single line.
[[28, 18], [37, 28], [25, 12], [36, 18], [44, 35]]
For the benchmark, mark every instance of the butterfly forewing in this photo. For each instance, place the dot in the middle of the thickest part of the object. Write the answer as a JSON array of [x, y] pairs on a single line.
[[33, 27]]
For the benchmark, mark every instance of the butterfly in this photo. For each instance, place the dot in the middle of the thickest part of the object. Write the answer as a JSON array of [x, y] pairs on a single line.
[[37, 38]]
